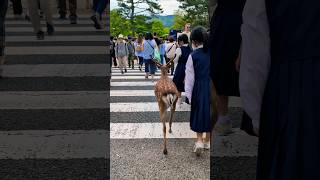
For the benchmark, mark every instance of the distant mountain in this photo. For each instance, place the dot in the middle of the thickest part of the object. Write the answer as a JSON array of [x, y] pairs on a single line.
[[167, 20]]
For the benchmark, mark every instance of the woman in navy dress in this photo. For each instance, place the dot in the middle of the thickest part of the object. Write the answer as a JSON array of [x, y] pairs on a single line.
[[225, 40], [197, 87], [182, 55], [289, 136]]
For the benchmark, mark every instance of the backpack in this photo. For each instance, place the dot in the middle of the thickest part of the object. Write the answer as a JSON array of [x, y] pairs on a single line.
[[122, 49], [131, 49]]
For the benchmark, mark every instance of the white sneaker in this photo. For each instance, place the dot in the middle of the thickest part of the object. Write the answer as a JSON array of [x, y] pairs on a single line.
[[198, 147], [206, 145]]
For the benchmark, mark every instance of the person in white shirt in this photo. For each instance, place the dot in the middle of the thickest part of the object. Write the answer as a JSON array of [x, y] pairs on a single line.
[[170, 51]]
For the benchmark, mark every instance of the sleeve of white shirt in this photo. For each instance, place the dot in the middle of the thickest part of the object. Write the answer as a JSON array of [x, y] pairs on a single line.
[[189, 78], [255, 58], [178, 54]]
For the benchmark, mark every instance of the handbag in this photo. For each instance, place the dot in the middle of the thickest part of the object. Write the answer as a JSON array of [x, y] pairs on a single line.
[[156, 53]]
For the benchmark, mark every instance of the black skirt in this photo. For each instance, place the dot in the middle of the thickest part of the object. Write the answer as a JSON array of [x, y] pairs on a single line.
[[289, 142], [225, 40]]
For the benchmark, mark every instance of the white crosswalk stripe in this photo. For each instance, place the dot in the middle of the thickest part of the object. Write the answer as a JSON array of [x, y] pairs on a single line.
[[55, 123]]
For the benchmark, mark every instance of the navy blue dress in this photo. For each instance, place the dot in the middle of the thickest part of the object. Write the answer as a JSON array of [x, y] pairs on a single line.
[[289, 142], [200, 120], [180, 71], [225, 40]]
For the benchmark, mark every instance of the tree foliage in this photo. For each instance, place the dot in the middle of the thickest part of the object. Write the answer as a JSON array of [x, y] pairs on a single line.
[[196, 11], [119, 24], [133, 8]]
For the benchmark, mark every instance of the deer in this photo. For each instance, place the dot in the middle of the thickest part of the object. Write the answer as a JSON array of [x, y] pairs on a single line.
[[167, 96]]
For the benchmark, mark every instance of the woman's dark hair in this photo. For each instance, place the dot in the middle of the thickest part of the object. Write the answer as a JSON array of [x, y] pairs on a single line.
[[140, 38], [171, 38], [199, 35], [148, 36], [184, 38]]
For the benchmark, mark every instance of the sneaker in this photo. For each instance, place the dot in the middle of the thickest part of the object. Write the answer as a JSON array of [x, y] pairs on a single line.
[[97, 24], [50, 29], [40, 35], [198, 147], [73, 19], [122, 72], [140, 68], [223, 126], [206, 145]]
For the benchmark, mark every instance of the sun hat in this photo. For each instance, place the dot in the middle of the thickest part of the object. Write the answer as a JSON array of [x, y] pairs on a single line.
[[120, 36]]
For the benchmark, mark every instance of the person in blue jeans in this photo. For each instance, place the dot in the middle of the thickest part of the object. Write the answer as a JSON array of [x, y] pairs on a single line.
[[162, 50], [3, 11], [148, 53], [98, 7]]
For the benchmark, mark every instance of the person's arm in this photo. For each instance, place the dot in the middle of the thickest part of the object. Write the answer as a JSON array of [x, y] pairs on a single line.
[[255, 58], [116, 49], [178, 54], [189, 78]]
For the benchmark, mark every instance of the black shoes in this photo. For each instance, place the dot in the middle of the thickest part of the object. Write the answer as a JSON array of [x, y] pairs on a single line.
[[125, 70], [96, 22], [50, 29], [40, 35], [73, 19], [122, 72]]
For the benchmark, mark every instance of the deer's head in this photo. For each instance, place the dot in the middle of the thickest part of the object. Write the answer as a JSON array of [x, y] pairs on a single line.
[[164, 67]]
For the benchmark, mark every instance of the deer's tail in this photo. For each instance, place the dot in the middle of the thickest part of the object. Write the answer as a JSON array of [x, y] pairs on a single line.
[[169, 99]]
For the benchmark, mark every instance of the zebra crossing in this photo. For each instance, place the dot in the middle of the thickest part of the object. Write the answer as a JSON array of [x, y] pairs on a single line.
[[136, 135], [53, 102]]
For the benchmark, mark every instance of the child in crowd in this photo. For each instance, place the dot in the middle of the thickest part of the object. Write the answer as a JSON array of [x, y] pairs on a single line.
[[197, 89], [182, 55]]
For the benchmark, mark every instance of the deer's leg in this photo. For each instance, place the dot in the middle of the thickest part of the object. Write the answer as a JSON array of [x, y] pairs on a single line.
[[163, 114], [173, 110]]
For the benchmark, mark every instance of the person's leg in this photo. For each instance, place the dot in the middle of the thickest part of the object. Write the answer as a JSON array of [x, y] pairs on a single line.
[[146, 67], [101, 6], [35, 18], [129, 61], [73, 11], [45, 7], [121, 64], [223, 124], [17, 7], [62, 8], [153, 68], [125, 63]]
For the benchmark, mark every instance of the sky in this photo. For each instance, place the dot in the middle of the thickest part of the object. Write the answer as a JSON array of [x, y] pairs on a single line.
[[168, 6]]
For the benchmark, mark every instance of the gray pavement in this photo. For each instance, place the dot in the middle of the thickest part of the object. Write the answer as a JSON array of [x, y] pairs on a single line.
[[54, 103]]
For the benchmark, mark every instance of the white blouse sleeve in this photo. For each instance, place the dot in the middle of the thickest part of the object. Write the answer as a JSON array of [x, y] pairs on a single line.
[[255, 58], [189, 78], [178, 54]]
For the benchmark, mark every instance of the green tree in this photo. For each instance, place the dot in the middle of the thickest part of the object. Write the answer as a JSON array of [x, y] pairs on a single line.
[[133, 8], [179, 20], [158, 27], [196, 12], [119, 24], [142, 24]]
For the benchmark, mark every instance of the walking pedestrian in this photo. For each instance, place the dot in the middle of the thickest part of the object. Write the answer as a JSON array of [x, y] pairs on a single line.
[[225, 40], [170, 51], [182, 55], [289, 145], [197, 89], [122, 53], [62, 4], [3, 12], [112, 51], [98, 7], [139, 47], [35, 17], [162, 48], [131, 52], [148, 54]]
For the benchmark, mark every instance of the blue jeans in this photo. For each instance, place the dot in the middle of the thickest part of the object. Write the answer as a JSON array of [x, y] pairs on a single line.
[[99, 5], [149, 66], [140, 60], [162, 59], [3, 12]]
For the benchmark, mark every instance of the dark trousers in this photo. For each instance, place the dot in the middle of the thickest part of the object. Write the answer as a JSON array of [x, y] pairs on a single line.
[[17, 7], [99, 5], [3, 12], [62, 5]]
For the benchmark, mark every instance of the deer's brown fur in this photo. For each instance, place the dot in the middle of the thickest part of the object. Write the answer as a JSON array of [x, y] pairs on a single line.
[[167, 96]]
